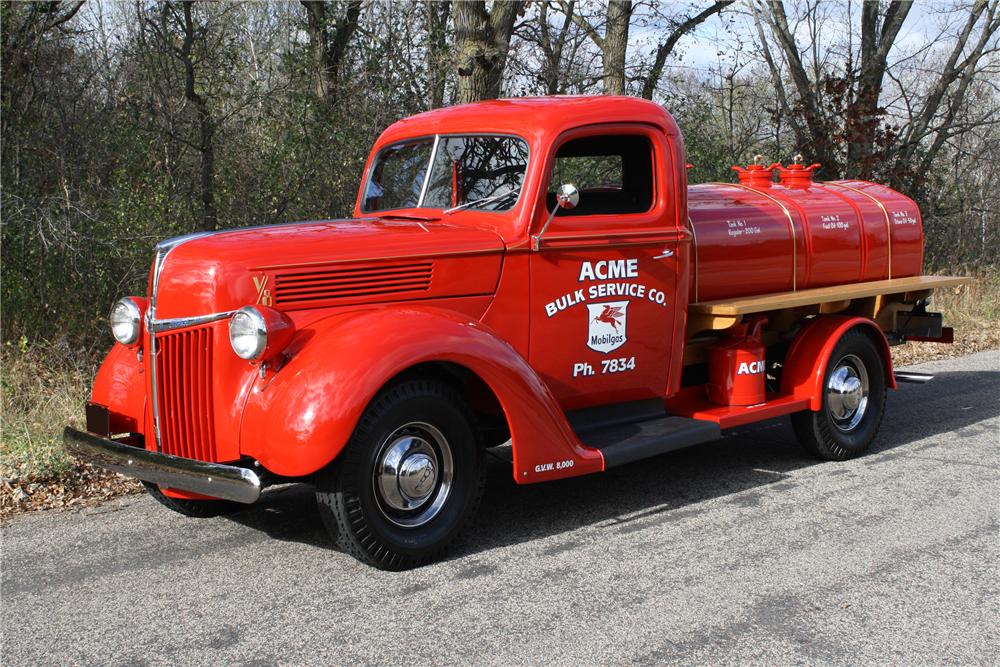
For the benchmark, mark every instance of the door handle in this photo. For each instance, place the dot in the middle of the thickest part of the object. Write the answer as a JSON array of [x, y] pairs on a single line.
[[665, 255]]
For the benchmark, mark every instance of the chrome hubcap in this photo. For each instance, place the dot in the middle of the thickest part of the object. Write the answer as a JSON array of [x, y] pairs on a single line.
[[413, 474], [847, 393], [417, 477]]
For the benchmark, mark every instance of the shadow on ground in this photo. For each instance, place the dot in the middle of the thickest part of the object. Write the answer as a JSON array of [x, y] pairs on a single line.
[[745, 458]]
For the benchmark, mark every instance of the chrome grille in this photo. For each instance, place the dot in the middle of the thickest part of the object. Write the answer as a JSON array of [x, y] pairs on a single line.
[[184, 393]]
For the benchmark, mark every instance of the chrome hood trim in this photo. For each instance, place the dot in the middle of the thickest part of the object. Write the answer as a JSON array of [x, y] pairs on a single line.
[[172, 323], [153, 325]]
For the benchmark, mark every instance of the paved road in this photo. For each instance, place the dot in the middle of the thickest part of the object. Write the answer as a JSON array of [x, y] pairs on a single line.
[[739, 551]]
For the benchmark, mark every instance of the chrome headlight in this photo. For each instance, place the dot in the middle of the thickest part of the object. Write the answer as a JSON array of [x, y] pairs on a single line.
[[248, 333], [126, 321]]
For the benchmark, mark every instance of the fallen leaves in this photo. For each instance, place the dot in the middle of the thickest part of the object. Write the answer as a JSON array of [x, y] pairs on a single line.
[[966, 342], [80, 486]]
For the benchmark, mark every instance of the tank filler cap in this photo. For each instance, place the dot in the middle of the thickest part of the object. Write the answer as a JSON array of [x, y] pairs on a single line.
[[756, 174], [797, 174]]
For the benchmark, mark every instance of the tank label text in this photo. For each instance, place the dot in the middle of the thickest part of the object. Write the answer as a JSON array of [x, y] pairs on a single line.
[[752, 368]]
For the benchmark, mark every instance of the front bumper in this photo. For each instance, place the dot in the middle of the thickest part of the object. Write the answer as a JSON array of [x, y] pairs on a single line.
[[210, 479]]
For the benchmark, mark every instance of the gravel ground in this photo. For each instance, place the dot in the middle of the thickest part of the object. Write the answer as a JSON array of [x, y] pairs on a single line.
[[738, 551]]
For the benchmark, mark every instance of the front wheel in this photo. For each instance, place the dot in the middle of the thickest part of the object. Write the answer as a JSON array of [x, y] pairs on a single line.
[[853, 401], [409, 479]]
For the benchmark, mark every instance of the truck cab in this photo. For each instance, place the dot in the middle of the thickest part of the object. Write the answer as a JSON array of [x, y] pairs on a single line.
[[524, 274], [621, 251]]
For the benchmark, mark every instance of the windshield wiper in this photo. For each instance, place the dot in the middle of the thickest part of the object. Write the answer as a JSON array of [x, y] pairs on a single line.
[[484, 200]]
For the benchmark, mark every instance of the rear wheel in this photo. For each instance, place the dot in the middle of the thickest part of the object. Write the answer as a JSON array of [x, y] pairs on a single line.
[[854, 388], [201, 509], [409, 479]]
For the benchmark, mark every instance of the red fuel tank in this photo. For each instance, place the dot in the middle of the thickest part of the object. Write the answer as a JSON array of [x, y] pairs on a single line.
[[759, 237], [736, 367]]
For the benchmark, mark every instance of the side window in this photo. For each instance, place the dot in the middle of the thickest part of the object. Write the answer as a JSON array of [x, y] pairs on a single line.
[[614, 174]]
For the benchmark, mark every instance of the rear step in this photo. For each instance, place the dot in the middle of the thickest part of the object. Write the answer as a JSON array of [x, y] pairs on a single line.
[[625, 443]]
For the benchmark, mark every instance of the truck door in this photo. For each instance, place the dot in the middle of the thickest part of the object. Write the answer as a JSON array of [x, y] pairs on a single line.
[[604, 274]]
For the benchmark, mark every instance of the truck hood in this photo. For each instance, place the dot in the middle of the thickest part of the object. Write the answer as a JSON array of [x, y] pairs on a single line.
[[307, 265]]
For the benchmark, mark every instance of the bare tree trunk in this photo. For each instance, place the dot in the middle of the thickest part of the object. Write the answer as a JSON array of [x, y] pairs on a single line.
[[437, 24], [552, 46], [863, 112], [902, 156], [206, 125], [482, 40], [815, 136], [328, 44], [957, 68], [615, 44], [472, 46]]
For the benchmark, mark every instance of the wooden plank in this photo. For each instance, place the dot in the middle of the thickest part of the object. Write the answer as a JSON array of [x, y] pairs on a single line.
[[808, 297]]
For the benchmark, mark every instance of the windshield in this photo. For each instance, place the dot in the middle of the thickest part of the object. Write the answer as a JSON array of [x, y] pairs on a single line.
[[484, 173]]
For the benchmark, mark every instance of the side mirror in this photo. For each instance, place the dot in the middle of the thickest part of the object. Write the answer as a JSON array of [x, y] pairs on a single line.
[[567, 197]]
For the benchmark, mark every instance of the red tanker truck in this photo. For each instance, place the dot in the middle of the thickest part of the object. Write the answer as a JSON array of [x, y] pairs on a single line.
[[535, 272]]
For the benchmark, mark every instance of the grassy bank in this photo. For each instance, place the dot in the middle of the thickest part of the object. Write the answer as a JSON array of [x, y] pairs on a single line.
[[44, 387], [973, 311]]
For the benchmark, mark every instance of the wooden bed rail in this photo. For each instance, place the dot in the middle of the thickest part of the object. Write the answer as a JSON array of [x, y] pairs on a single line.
[[722, 314]]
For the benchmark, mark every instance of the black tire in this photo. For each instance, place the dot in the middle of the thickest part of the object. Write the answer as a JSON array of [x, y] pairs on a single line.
[[199, 509], [834, 432], [360, 508]]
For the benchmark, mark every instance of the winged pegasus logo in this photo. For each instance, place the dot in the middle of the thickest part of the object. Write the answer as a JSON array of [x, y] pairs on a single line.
[[606, 326]]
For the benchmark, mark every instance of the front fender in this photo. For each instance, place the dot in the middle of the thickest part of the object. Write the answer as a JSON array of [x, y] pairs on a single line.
[[119, 386], [805, 364], [296, 421]]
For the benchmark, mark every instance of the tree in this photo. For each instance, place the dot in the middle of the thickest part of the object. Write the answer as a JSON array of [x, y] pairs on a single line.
[[838, 110], [177, 33], [482, 40], [935, 118], [329, 35], [25, 28], [679, 28], [614, 42], [552, 43], [436, 16], [123, 124]]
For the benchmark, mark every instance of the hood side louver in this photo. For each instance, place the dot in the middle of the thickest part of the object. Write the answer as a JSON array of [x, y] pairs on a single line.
[[375, 281]]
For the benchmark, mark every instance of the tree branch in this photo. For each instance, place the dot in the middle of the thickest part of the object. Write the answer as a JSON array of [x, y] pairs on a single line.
[[664, 50]]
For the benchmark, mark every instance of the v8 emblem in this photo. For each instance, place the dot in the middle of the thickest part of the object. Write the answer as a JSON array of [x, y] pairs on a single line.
[[263, 294]]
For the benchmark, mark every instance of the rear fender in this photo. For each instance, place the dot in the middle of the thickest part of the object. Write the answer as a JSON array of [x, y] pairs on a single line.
[[296, 421], [805, 363]]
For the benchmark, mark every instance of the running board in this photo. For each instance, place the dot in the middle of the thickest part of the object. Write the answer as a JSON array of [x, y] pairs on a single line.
[[913, 378], [626, 443]]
